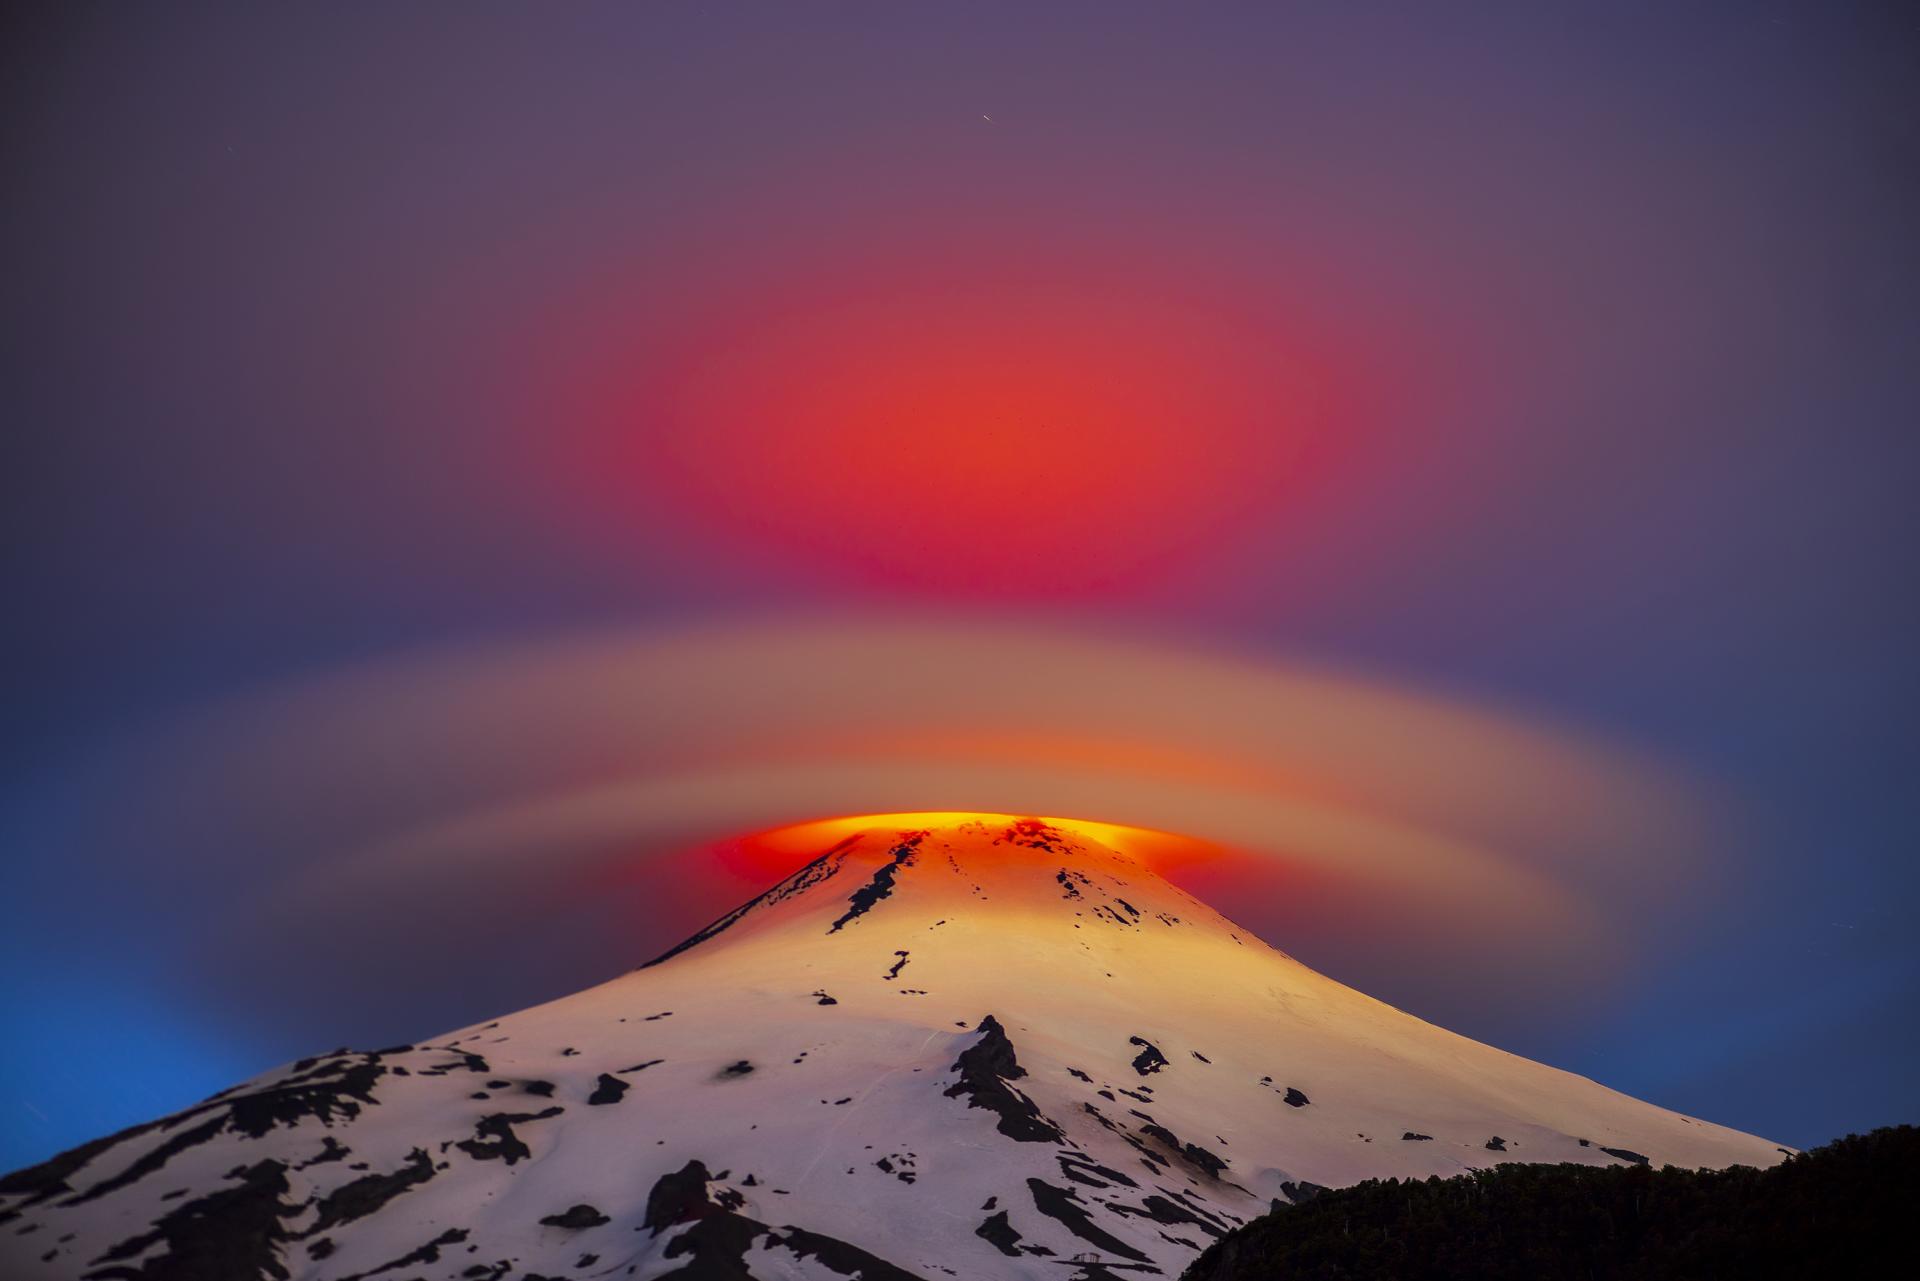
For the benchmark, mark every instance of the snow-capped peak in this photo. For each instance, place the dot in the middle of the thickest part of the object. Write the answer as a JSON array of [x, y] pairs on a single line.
[[988, 1047]]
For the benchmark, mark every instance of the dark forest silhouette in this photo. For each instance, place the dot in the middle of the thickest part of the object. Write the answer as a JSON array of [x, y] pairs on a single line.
[[1830, 1212]]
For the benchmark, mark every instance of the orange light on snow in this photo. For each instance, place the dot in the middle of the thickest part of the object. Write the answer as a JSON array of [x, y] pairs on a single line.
[[780, 850]]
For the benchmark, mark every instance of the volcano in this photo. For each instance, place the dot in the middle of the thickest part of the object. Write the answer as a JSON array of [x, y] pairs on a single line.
[[991, 1048]]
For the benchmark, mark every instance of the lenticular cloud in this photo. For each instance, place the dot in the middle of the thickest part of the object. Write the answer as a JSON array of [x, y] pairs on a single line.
[[424, 801]]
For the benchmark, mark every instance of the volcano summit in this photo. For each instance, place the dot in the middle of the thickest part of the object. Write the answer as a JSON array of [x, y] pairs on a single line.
[[988, 1049]]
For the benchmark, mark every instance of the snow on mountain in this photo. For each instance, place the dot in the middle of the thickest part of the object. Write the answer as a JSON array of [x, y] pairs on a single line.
[[991, 1049]]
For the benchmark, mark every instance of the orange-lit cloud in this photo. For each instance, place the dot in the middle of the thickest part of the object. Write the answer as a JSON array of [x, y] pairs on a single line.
[[424, 798]]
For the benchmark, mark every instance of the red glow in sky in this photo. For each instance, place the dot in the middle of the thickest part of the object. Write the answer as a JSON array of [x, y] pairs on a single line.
[[1004, 438]]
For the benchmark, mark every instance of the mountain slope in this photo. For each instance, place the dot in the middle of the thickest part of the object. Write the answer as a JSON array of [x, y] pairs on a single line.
[[990, 1049]]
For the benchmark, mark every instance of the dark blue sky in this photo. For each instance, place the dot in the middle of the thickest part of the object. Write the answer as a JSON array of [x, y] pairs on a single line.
[[1582, 341]]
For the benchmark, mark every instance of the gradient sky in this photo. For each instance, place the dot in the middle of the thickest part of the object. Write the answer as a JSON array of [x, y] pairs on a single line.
[[1559, 361]]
